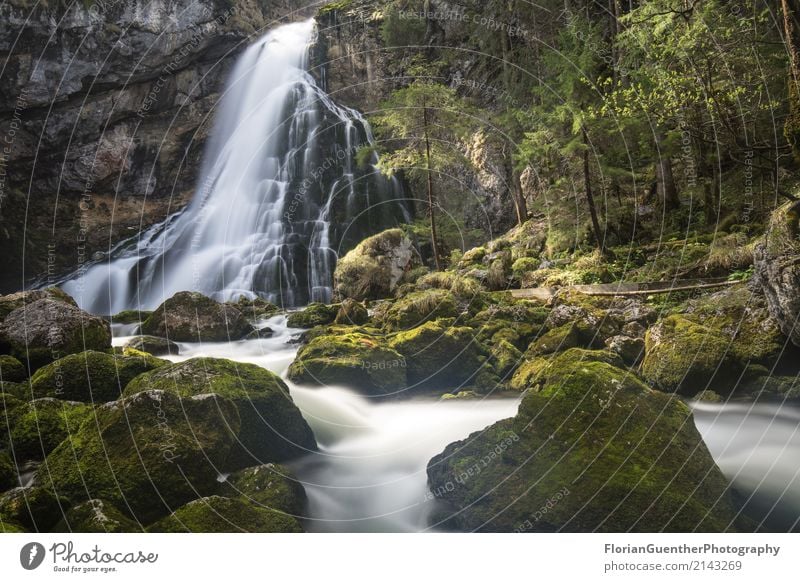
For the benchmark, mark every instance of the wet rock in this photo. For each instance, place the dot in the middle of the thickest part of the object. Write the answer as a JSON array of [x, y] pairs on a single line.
[[192, 317], [156, 346]]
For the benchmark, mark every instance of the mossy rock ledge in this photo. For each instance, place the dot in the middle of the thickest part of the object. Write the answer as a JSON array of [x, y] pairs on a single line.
[[146, 454], [90, 376], [272, 428], [594, 449], [358, 360], [190, 317]]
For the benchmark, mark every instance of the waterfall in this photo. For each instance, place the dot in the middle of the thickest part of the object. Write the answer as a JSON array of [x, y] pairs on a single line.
[[281, 195]]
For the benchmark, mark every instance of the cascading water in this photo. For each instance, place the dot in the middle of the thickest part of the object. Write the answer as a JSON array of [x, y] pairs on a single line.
[[280, 197]]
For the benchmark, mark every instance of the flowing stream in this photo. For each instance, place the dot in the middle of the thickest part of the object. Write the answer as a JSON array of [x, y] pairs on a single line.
[[369, 474], [282, 195]]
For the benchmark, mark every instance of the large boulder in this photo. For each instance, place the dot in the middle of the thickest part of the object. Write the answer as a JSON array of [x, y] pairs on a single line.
[[272, 428], [90, 376], [9, 303], [592, 449], [777, 270], [49, 329], [96, 516], [440, 355], [216, 514], [146, 454], [373, 269], [39, 426], [688, 357], [192, 317], [350, 358]]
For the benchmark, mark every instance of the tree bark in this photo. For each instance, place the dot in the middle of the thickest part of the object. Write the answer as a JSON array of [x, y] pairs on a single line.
[[429, 170], [791, 12], [587, 179]]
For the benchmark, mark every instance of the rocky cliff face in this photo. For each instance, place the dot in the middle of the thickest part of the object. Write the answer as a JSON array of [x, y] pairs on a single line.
[[106, 108]]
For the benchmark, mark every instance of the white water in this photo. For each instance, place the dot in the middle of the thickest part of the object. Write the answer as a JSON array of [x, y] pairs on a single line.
[[279, 198], [369, 473]]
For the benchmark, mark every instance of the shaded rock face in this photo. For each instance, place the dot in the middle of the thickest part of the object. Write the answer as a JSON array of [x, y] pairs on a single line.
[[49, 329], [777, 271], [189, 317], [591, 449], [107, 106]]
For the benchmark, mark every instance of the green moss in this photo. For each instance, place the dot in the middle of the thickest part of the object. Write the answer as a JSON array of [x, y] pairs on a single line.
[[504, 358], [272, 428], [463, 287], [255, 308], [131, 316], [352, 312], [559, 339], [684, 356], [417, 308], [353, 359], [594, 450], [558, 367], [313, 315], [96, 516], [440, 355], [222, 514], [90, 376], [472, 258], [12, 370], [145, 454], [268, 486], [39, 426], [373, 269]]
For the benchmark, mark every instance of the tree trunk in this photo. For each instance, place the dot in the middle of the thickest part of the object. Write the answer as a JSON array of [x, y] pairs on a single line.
[[520, 206], [664, 176], [791, 12], [587, 179], [429, 169]]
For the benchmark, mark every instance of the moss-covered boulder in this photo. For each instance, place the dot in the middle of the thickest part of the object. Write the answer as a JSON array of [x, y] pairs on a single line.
[[191, 317], [687, 357], [353, 359], [269, 486], [519, 322], [146, 454], [130, 316], [564, 337], [416, 308], [8, 472], [218, 514], [374, 267], [504, 358], [39, 426], [12, 370], [49, 329], [532, 374], [351, 312], [594, 450], [440, 355], [156, 346], [90, 376], [9, 303], [630, 349], [313, 315], [272, 428], [96, 516], [34, 508]]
